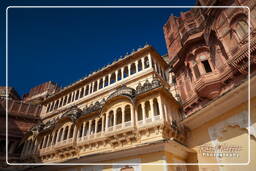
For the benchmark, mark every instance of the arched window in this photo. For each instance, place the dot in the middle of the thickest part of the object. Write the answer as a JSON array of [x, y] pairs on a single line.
[[106, 81], [60, 102], [119, 75], [92, 127], [156, 107], [147, 109], [55, 137], [127, 113], [101, 83], [111, 118], [99, 125], [146, 62], [133, 68], [77, 94], [95, 86], [60, 134], [82, 92], [71, 131], [118, 116], [56, 104], [69, 98], [66, 133], [91, 89], [140, 117], [241, 28], [86, 131], [87, 90], [126, 72], [113, 78], [139, 65], [81, 130], [65, 100]]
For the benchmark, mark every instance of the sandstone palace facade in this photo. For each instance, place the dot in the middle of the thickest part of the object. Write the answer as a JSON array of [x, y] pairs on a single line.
[[146, 111]]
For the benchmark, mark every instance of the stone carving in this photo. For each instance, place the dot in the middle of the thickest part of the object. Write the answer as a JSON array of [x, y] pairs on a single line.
[[148, 86], [123, 91], [93, 108], [73, 113]]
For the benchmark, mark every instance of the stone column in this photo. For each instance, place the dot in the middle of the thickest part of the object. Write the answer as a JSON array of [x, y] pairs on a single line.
[[116, 72], [99, 84], [96, 126], [123, 116], [75, 133], [129, 69], [63, 132], [103, 123], [109, 75], [143, 112], [69, 128], [132, 116], [107, 117], [83, 129], [90, 124], [152, 108], [160, 105], [114, 124], [150, 60], [89, 88], [103, 85], [122, 73], [58, 134], [53, 134]]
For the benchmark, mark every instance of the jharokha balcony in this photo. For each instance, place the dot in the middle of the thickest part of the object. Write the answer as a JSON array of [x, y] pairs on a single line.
[[126, 117]]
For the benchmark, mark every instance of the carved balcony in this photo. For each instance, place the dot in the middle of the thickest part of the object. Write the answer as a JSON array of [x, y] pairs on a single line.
[[208, 85]]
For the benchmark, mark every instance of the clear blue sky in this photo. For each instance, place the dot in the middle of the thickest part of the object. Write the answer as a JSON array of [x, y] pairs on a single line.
[[64, 45]]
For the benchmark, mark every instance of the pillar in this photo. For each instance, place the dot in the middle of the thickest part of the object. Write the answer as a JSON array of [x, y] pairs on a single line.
[[152, 108], [142, 61], [132, 116], [58, 134], [103, 123], [123, 112], [122, 73], [160, 105], [90, 124], [103, 85], [116, 72], [83, 129], [150, 60], [109, 75], [63, 132], [74, 133], [129, 69], [143, 111], [114, 124], [69, 128], [96, 126], [107, 117]]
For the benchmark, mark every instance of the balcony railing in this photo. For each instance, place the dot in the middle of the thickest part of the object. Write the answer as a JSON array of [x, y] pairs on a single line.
[[99, 135]]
